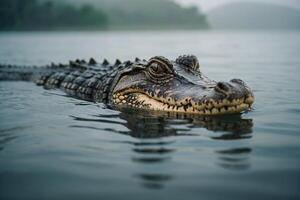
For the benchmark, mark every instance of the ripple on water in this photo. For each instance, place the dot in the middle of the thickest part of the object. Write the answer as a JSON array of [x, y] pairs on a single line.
[[55, 146]]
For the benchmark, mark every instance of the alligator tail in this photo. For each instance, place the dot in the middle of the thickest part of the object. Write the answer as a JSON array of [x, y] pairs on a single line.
[[19, 73]]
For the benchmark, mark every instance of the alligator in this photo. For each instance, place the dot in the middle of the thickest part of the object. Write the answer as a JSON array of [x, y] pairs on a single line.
[[157, 84]]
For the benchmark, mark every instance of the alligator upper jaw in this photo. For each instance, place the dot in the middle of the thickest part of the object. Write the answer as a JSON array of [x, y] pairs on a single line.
[[208, 106]]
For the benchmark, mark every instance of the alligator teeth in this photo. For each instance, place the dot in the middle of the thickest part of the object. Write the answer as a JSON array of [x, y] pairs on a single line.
[[215, 104], [249, 100], [208, 104], [194, 104], [183, 102], [243, 106], [218, 104], [231, 109], [172, 101], [207, 112], [189, 109], [199, 106], [241, 100], [202, 106], [223, 110], [205, 107], [214, 111], [225, 102], [201, 112], [234, 102]]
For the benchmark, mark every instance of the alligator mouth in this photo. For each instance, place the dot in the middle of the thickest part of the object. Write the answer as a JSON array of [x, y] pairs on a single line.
[[142, 100]]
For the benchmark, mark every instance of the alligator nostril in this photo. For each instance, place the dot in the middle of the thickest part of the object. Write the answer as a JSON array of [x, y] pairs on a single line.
[[238, 81], [223, 86]]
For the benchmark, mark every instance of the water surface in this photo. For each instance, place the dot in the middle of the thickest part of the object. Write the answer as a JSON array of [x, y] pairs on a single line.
[[55, 147]]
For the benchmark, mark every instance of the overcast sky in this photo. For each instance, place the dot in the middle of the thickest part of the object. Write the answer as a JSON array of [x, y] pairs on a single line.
[[209, 4]]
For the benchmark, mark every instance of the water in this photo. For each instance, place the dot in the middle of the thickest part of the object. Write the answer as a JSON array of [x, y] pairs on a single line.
[[56, 147]]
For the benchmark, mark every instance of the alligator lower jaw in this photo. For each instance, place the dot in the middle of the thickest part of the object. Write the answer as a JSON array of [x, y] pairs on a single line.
[[146, 102]]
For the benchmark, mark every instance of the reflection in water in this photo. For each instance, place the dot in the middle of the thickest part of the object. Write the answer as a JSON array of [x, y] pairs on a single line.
[[158, 125], [8, 135], [154, 181], [234, 159], [153, 151], [150, 159], [154, 147], [4, 139]]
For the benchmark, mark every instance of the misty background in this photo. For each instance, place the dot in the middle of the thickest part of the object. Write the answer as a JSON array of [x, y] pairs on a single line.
[[144, 14], [53, 146]]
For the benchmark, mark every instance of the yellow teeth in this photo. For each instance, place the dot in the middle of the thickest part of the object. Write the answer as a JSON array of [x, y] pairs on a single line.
[[214, 111], [207, 107], [222, 110], [249, 100]]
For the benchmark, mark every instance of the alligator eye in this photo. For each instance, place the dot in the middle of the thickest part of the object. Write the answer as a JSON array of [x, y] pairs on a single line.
[[154, 67], [159, 69], [189, 62], [160, 65]]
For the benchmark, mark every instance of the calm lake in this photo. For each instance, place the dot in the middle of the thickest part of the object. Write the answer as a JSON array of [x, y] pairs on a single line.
[[56, 147]]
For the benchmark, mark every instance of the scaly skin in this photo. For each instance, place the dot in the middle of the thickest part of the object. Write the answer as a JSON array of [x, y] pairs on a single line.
[[157, 84]]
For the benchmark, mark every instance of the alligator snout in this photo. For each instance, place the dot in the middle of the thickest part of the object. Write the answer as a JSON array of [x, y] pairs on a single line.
[[235, 88], [226, 87], [238, 81], [223, 87]]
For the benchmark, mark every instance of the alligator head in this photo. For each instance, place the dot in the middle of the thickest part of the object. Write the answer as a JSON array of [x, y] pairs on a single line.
[[178, 86]]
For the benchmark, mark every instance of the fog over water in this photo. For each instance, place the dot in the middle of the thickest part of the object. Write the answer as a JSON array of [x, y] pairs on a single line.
[[208, 5]]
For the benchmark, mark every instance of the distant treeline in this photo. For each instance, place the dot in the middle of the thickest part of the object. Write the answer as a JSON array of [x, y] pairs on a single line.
[[97, 14], [33, 14]]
